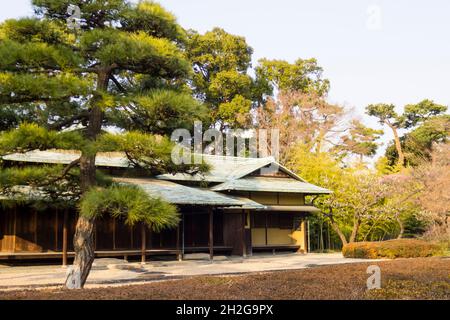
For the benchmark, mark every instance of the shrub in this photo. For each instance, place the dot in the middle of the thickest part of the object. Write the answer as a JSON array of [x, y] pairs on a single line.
[[402, 248]]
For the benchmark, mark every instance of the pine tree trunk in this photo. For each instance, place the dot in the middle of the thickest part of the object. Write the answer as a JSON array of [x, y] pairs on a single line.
[[84, 247], [398, 145], [84, 232], [83, 240]]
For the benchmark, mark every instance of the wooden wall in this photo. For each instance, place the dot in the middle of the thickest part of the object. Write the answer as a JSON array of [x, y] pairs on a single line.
[[6, 230], [278, 227], [25, 229]]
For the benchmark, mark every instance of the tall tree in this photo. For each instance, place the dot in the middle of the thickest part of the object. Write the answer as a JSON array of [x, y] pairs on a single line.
[[301, 118], [418, 143], [413, 115], [387, 116], [124, 67], [220, 63], [304, 75]]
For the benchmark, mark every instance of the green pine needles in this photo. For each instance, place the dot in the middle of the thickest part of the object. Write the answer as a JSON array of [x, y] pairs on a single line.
[[131, 204]]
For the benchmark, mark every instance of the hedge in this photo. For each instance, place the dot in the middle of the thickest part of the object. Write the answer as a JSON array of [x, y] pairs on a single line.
[[402, 248]]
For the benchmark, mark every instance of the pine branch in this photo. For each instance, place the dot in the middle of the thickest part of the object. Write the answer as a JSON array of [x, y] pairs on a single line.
[[65, 171], [118, 84], [66, 122]]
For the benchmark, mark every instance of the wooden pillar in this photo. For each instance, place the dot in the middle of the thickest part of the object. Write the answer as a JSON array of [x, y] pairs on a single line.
[[114, 233], [182, 236], [211, 234], [178, 243], [15, 228], [143, 243], [35, 227], [244, 242], [131, 237], [150, 239], [265, 226], [56, 228], [308, 245], [64, 244]]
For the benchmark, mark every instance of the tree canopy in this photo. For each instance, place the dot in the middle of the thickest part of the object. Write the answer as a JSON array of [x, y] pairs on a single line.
[[124, 68], [220, 63]]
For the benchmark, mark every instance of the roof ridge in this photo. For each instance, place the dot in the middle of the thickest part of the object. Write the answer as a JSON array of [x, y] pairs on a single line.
[[227, 157]]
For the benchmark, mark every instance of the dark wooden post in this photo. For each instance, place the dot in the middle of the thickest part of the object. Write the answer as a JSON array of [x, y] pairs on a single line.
[[143, 243], [211, 234], [308, 241], [15, 228], [244, 242], [114, 233], [35, 227], [56, 229], [64, 245], [265, 226], [182, 236], [178, 243]]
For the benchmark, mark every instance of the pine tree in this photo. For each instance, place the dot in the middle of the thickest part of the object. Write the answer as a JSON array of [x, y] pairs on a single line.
[[64, 81]]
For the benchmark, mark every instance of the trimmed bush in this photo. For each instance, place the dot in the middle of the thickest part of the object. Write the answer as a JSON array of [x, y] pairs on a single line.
[[391, 249]]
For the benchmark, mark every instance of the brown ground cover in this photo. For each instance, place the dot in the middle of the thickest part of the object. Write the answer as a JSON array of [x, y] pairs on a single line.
[[418, 278]]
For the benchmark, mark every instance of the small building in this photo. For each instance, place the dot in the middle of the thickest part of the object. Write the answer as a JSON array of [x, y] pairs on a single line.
[[242, 205]]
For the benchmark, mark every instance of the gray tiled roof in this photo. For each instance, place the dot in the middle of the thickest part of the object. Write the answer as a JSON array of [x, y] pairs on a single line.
[[270, 184], [231, 172], [223, 168], [66, 157], [178, 194]]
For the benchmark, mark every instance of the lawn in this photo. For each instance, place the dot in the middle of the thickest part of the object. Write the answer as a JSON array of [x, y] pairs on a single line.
[[418, 278]]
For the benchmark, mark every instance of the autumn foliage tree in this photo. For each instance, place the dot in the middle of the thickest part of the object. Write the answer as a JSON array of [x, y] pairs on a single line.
[[122, 67], [301, 118]]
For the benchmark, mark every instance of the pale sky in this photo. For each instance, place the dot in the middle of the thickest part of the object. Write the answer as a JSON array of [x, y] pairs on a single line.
[[393, 51]]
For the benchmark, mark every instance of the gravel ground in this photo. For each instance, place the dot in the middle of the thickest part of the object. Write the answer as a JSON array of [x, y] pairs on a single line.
[[420, 278], [107, 272]]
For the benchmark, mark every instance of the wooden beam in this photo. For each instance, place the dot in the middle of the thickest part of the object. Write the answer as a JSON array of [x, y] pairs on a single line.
[[64, 244], [211, 234], [143, 243]]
